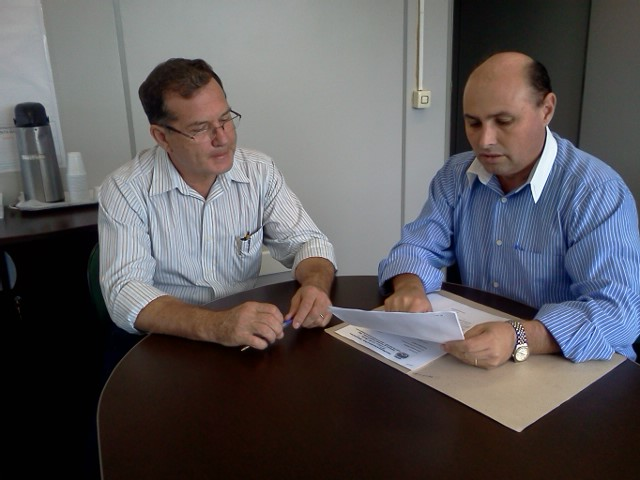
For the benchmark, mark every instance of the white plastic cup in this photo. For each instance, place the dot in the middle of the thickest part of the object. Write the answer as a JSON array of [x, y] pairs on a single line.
[[75, 165], [77, 185]]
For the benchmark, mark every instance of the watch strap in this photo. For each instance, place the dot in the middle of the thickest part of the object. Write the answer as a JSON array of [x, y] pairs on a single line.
[[521, 335]]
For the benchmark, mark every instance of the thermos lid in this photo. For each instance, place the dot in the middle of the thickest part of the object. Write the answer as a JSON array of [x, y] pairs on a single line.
[[30, 114]]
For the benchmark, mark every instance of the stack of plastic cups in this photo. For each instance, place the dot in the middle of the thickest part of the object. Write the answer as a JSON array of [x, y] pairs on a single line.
[[77, 179]]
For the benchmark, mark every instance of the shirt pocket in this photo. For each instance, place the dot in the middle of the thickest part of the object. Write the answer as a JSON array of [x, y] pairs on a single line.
[[250, 243]]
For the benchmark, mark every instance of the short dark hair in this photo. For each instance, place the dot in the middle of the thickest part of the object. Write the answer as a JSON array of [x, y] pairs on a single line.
[[180, 75], [539, 80]]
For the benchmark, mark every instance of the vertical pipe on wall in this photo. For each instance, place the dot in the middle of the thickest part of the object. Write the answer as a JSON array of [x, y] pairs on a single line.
[[420, 43]]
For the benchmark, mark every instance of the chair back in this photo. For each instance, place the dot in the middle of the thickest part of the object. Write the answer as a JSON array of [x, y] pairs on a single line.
[[93, 280]]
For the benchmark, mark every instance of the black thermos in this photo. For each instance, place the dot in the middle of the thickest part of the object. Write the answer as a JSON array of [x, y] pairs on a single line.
[[41, 178]]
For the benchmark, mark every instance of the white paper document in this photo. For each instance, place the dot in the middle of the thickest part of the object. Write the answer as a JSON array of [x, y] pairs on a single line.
[[411, 353], [411, 339], [432, 326]]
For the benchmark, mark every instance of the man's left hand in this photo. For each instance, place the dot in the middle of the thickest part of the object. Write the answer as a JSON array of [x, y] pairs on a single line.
[[309, 308]]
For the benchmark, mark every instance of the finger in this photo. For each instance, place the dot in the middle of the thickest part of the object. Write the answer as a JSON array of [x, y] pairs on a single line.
[[474, 359], [263, 342], [325, 317], [315, 317], [459, 350], [302, 314], [268, 323], [319, 315], [299, 309], [256, 342], [270, 312], [293, 308], [264, 333]]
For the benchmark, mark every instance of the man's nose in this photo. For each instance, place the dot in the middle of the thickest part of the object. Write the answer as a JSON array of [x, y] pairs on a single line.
[[219, 134], [487, 136]]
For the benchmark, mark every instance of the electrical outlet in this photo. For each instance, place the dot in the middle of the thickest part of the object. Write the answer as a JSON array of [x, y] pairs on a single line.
[[421, 98]]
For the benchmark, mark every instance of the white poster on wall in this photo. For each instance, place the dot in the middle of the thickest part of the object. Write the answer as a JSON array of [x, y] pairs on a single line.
[[25, 75]]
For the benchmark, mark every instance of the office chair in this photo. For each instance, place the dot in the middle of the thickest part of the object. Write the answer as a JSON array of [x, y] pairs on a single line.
[[452, 274], [93, 280], [9, 299], [117, 342]]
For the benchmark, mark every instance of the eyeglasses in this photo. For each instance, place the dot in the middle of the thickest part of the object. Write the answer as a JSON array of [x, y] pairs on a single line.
[[199, 134]]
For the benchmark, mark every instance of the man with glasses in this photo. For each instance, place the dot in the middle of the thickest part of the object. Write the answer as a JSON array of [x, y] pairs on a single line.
[[184, 222]]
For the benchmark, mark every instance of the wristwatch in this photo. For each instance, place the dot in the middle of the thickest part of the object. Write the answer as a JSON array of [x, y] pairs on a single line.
[[521, 350]]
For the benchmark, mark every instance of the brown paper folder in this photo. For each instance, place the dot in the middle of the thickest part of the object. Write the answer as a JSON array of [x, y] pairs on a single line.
[[515, 395]]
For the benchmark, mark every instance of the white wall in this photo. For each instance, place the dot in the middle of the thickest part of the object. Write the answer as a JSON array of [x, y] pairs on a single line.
[[324, 87], [85, 62], [426, 139]]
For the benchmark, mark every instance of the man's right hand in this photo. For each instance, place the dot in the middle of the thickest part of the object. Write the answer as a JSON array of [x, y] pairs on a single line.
[[257, 325], [252, 323]]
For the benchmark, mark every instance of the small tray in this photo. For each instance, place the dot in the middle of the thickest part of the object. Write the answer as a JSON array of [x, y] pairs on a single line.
[[35, 205]]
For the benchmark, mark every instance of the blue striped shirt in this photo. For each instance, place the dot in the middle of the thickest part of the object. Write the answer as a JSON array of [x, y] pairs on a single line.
[[159, 236], [566, 243]]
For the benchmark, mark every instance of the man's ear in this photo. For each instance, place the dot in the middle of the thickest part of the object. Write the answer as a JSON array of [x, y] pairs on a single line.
[[549, 107], [159, 136]]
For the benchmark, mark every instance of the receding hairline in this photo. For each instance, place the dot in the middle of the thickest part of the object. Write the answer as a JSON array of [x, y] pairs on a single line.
[[501, 60], [500, 64]]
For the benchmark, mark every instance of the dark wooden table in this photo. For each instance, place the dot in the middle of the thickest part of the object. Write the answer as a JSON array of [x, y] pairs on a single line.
[[312, 406]]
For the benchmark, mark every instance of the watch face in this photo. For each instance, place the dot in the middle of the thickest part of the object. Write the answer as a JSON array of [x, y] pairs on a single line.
[[521, 353]]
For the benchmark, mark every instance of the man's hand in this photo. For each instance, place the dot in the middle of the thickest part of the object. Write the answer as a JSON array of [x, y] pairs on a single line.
[[487, 345], [310, 304], [408, 295], [309, 308], [257, 325], [252, 323]]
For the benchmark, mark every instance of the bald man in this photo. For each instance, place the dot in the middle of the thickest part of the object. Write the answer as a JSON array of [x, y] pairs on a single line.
[[528, 216]]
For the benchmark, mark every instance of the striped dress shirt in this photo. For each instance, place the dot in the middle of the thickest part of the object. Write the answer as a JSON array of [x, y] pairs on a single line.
[[159, 236], [566, 243]]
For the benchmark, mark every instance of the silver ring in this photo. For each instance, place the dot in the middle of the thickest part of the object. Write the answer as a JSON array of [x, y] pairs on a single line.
[[322, 316], [476, 360]]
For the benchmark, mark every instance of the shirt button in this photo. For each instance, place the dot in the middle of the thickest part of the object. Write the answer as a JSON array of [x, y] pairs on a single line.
[[496, 284], [499, 242], [503, 199]]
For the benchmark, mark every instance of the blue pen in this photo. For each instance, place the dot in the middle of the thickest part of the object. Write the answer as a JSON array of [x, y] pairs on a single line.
[[285, 324]]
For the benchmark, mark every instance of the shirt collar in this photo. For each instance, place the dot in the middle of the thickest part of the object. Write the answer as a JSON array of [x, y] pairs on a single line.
[[538, 176], [166, 177]]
